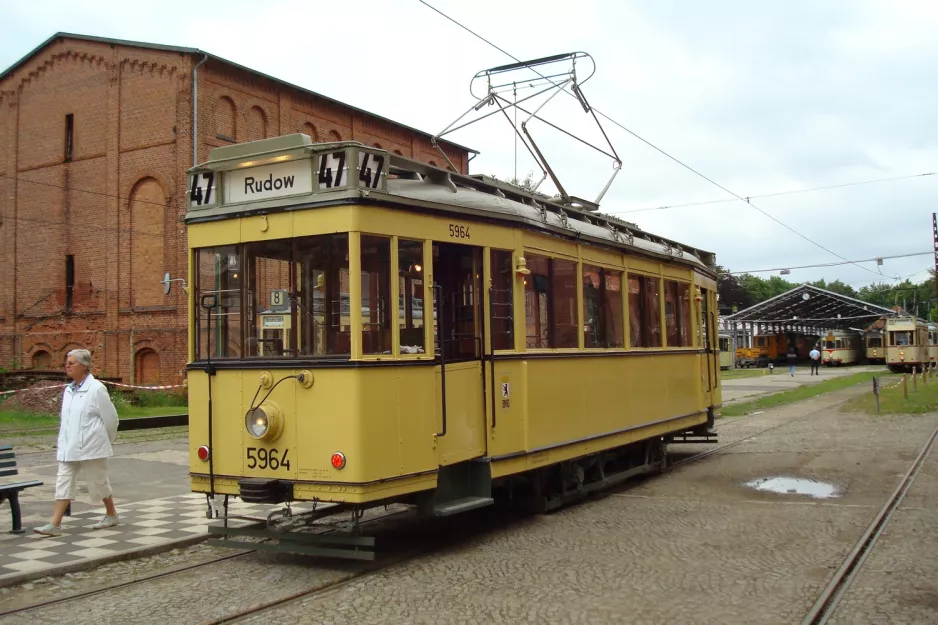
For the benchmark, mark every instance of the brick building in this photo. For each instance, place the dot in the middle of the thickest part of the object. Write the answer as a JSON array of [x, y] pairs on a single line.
[[95, 138]]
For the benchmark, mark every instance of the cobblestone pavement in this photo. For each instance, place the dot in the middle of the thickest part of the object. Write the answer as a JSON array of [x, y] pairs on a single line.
[[899, 580], [691, 546], [694, 545]]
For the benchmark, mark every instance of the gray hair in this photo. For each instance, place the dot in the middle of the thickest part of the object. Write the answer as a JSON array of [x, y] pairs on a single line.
[[83, 356]]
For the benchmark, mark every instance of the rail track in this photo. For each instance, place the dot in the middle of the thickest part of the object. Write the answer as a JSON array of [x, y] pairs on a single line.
[[434, 540], [826, 604], [318, 590], [163, 574]]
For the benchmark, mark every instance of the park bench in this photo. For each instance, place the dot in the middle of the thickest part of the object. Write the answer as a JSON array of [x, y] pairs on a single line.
[[11, 492]]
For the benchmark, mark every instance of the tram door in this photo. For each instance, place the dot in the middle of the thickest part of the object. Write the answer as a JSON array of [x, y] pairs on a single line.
[[710, 365], [458, 318]]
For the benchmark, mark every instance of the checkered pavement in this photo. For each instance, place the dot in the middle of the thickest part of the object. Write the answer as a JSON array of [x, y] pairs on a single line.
[[144, 524]]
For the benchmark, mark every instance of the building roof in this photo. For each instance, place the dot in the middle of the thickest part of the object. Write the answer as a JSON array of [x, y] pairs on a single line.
[[184, 50], [812, 307]]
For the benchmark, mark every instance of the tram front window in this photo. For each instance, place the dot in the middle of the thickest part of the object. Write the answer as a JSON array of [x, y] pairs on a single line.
[[376, 293], [284, 298], [410, 304], [901, 339], [219, 274]]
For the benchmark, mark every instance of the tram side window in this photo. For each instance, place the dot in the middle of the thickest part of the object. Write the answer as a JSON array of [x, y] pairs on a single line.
[[550, 303], [410, 304], [537, 302], [324, 315], [602, 307], [218, 329], [644, 312], [563, 282], [677, 313], [376, 294], [502, 289]]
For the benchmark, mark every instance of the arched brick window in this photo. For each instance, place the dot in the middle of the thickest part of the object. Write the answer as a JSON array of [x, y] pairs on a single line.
[[147, 218], [256, 127], [224, 118], [309, 129], [42, 360], [147, 367]]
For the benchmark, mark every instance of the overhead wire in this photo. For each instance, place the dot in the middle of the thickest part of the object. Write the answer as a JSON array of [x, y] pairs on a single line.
[[88, 192], [765, 195], [847, 262], [652, 145]]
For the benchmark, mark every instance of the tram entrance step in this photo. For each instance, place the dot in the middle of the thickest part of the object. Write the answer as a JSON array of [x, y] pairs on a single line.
[[448, 508], [694, 437]]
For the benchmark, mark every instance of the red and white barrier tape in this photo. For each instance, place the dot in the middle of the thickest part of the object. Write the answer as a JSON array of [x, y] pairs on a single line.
[[49, 388], [26, 390], [146, 388]]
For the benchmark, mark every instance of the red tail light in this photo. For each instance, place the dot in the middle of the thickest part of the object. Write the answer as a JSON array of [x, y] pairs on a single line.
[[204, 453], [338, 460]]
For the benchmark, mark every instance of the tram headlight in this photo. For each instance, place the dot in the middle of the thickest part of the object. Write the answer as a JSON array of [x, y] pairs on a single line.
[[264, 422]]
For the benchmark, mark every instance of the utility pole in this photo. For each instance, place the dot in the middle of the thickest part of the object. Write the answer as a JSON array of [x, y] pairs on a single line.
[[934, 229]]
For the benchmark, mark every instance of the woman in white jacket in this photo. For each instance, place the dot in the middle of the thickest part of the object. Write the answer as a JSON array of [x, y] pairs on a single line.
[[87, 429]]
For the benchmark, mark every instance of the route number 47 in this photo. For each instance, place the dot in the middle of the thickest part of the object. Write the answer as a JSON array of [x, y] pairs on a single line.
[[202, 192]]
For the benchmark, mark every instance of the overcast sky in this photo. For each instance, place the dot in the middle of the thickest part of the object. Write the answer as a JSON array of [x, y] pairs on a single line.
[[762, 97]]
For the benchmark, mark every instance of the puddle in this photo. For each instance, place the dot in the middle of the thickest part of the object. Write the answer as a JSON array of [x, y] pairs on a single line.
[[795, 486]]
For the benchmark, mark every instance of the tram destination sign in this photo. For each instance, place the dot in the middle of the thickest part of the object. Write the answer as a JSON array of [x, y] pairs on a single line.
[[268, 182]]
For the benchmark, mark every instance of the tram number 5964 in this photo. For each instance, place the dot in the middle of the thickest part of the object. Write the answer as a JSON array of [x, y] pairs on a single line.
[[458, 232], [261, 458]]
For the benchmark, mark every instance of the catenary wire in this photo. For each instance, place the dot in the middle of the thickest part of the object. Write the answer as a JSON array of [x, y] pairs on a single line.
[[653, 146], [847, 262], [764, 195]]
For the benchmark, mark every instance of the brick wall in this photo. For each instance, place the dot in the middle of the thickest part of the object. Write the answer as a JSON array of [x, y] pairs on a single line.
[[114, 206]]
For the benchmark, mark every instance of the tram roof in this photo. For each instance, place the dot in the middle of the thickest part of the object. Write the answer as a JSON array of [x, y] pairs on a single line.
[[213, 57], [421, 186], [812, 307]]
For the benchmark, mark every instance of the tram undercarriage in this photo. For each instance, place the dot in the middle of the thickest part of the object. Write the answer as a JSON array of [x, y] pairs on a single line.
[[461, 487]]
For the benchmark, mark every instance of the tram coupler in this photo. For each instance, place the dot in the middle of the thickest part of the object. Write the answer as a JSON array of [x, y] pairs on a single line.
[[212, 511]]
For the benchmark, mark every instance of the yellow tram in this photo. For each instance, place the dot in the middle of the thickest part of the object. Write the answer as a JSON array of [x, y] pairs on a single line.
[[366, 329], [906, 343], [875, 347]]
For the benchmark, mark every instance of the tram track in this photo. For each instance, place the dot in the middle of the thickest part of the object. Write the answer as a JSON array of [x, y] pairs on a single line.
[[830, 597], [827, 602], [438, 539], [313, 592], [163, 574]]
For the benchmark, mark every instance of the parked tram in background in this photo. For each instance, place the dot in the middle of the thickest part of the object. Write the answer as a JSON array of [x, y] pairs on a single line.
[[841, 347], [933, 344], [875, 346], [906, 343], [445, 339]]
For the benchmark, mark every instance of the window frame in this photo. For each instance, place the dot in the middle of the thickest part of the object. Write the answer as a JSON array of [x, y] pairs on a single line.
[[645, 314], [605, 271]]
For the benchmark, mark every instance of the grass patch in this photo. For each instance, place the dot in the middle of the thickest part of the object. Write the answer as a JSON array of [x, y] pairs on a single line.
[[892, 400], [802, 392], [735, 374], [21, 418]]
